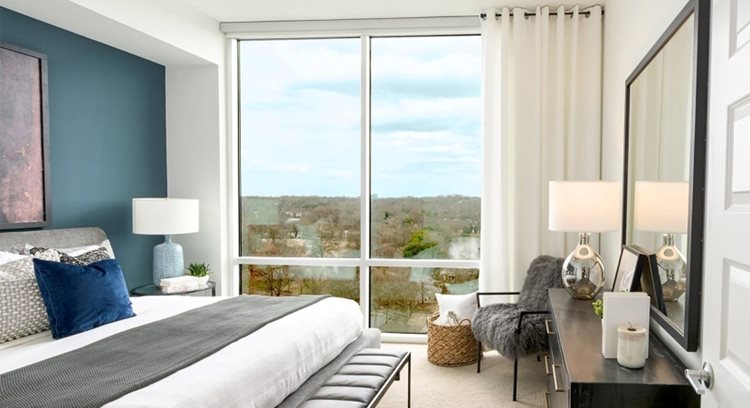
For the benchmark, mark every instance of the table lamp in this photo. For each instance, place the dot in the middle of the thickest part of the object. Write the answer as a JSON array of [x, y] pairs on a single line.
[[166, 216], [662, 207], [584, 207]]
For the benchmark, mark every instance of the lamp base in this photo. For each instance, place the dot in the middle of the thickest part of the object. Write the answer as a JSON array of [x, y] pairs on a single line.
[[583, 270], [168, 260], [672, 268]]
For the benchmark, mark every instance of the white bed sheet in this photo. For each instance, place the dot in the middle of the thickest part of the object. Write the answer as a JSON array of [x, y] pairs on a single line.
[[257, 371]]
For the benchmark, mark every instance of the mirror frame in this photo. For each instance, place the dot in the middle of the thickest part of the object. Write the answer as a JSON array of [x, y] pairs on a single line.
[[690, 336]]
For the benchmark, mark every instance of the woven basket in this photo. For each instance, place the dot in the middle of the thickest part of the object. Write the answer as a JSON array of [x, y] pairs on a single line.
[[450, 346]]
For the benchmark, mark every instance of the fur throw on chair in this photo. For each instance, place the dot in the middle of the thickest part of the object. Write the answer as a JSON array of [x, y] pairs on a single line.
[[495, 325]]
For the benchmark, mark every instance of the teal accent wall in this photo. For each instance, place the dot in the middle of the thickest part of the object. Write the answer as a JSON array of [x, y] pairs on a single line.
[[107, 135]]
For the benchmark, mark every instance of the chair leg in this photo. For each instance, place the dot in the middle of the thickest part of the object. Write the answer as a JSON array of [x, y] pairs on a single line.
[[515, 375], [479, 357]]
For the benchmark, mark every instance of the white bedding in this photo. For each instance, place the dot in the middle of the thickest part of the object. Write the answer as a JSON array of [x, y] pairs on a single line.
[[259, 370]]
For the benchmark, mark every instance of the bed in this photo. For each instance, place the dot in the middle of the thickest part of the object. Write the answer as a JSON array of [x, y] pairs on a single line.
[[280, 364]]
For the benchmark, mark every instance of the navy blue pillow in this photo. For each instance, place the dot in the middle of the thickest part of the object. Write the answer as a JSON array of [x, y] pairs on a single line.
[[79, 298]]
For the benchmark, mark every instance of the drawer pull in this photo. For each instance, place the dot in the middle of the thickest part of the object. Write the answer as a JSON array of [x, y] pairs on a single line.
[[546, 326], [546, 400], [554, 378], [546, 364]]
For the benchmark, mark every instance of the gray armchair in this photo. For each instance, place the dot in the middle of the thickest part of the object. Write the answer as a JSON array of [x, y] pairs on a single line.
[[518, 329]]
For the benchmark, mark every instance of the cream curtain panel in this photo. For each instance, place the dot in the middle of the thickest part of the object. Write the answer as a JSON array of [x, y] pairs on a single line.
[[661, 123], [541, 122]]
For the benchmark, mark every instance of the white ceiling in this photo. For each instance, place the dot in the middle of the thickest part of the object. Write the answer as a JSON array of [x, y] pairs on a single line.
[[286, 10]]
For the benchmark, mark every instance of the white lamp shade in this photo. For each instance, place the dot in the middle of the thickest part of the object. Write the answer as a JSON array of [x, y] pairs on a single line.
[[584, 206], [165, 216], [661, 206]]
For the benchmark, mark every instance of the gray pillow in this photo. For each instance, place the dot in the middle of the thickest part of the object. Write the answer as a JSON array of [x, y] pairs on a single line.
[[22, 311]]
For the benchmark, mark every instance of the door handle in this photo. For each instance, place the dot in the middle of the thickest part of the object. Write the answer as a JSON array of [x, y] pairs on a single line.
[[546, 364], [702, 379]]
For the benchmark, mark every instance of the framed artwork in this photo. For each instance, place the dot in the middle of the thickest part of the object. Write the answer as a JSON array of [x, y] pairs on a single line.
[[24, 139], [629, 269], [650, 281]]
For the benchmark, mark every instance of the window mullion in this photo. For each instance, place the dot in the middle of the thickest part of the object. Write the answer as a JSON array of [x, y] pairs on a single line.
[[299, 261], [364, 252]]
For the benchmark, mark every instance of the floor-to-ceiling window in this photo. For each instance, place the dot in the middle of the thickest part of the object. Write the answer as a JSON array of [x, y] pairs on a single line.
[[359, 171]]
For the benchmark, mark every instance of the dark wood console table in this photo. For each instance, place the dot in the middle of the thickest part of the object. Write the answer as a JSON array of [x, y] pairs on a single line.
[[579, 375]]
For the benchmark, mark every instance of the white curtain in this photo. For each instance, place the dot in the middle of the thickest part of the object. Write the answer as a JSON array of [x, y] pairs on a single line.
[[541, 122], [660, 125]]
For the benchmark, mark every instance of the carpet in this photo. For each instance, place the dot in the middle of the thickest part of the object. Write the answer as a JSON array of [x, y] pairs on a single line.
[[458, 387]]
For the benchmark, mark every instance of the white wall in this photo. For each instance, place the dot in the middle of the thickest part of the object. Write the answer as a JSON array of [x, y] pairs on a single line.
[[196, 146], [631, 27]]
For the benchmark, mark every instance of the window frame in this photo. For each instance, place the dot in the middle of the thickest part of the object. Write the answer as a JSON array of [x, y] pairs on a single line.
[[365, 30]]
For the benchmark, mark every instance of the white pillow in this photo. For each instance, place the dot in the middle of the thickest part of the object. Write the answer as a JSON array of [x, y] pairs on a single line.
[[463, 305], [6, 257]]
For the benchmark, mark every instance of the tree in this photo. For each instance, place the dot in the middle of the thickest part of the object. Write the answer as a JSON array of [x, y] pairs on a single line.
[[277, 279], [313, 285], [418, 243]]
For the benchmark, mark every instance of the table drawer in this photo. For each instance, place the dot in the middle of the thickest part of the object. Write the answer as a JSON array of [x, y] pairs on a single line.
[[555, 355], [557, 380], [555, 399]]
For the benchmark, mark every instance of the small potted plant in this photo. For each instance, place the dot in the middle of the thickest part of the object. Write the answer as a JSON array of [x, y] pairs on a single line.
[[199, 270], [598, 306]]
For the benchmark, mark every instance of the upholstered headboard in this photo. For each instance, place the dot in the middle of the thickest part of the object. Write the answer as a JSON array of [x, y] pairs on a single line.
[[51, 238]]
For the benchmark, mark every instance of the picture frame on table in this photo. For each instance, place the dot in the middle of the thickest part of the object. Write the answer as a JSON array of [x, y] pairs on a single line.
[[650, 280], [638, 271], [24, 139], [629, 270]]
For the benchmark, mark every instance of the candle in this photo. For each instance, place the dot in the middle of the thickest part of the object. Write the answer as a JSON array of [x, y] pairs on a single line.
[[631, 346]]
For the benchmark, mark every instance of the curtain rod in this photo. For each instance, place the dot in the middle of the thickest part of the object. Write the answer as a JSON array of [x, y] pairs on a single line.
[[528, 14]]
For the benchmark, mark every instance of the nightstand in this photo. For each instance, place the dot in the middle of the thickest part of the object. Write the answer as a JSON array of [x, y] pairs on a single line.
[[153, 290]]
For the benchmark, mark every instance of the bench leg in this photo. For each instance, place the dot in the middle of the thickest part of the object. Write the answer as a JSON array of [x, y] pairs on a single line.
[[408, 384]]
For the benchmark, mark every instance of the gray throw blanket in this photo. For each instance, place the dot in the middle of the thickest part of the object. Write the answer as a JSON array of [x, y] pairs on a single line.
[[495, 325], [103, 371]]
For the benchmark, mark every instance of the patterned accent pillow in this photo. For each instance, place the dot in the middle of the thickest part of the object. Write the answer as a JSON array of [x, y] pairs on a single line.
[[98, 254], [22, 310], [74, 251], [86, 258]]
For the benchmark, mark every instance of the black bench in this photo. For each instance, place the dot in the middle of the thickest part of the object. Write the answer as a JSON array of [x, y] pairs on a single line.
[[362, 381]]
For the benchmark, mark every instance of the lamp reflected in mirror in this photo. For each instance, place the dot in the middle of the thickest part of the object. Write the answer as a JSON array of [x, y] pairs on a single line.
[[662, 207]]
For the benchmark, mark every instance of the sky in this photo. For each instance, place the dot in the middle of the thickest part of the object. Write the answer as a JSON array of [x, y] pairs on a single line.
[[300, 116]]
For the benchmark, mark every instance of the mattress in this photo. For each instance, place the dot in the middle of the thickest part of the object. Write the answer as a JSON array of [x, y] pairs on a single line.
[[260, 370]]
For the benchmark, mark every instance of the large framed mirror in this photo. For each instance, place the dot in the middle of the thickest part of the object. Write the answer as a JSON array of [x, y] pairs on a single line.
[[665, 166]]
